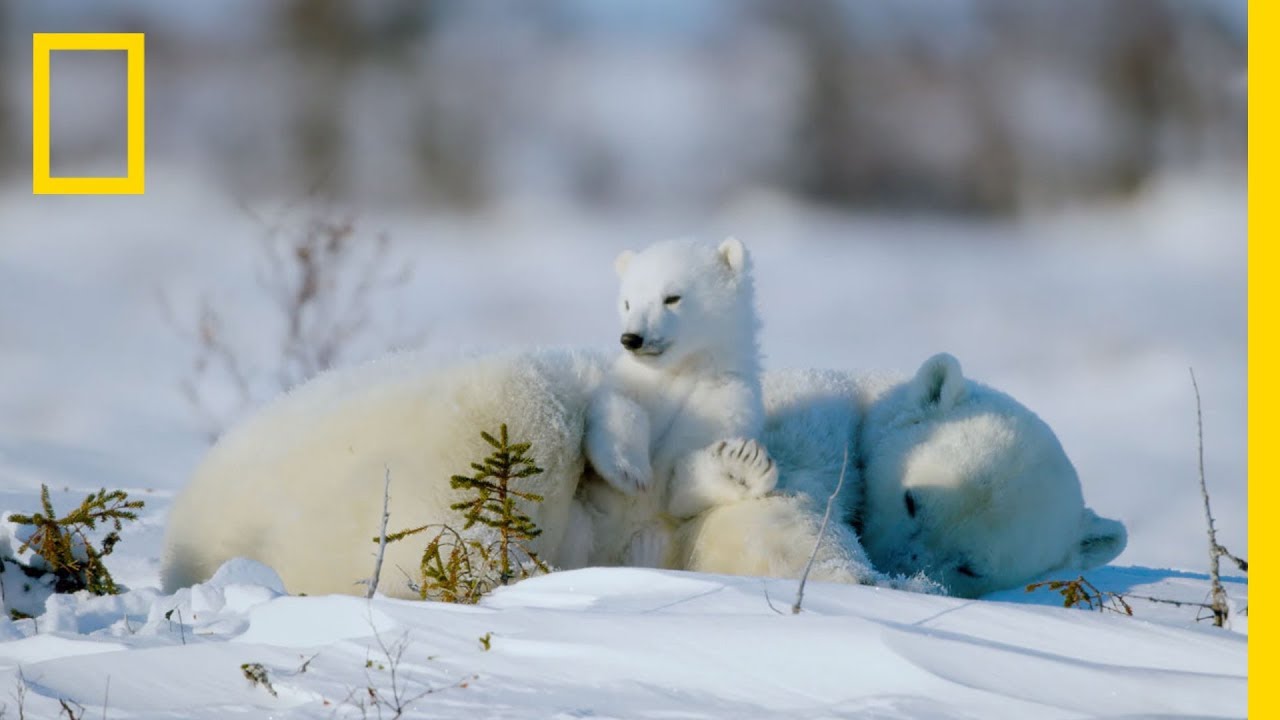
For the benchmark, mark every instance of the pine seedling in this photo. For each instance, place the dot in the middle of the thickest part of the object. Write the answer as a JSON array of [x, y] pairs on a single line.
[[461, 569], [63, 543], [494, 499]]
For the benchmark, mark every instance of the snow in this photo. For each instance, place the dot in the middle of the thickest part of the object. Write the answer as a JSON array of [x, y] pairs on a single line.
[[1090, 316], [617, 642]]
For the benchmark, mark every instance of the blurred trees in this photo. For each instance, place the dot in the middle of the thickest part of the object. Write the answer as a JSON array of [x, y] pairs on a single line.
[[335, 44], [990, 106], [326, 46], [8, 159], [331, 41], [1016, 104]]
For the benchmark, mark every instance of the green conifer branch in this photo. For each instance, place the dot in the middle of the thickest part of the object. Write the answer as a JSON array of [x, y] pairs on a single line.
[[458, 569], [54, 539]]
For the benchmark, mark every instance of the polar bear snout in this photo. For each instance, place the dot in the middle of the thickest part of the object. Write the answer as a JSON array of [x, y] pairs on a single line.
[[642, 346]]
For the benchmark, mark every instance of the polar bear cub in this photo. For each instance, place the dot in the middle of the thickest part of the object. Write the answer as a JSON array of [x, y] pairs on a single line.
[[676, 421], [970, 487]]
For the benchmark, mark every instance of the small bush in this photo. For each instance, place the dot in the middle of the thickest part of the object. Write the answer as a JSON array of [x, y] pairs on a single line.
[[62, 544], [461, 568]]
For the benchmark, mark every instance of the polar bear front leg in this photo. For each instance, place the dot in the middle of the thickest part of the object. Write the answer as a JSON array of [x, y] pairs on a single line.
[[649, 547], [721, 473], [617, 442]]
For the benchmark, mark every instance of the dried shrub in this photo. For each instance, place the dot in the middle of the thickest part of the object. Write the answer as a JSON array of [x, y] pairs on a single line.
[[1084, 594]]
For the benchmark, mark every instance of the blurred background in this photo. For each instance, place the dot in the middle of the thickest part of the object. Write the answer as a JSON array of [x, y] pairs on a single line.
[[985, 107], [1054, 191]]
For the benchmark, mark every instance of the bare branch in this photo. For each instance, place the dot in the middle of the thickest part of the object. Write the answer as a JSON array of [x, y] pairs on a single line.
[[1166, 601], [1239, 562], [72, 713], [1218, 602], [319, 278], [400, 700], [182, 633], [20, 694], [382, 534], [764, 585], [822, 530]]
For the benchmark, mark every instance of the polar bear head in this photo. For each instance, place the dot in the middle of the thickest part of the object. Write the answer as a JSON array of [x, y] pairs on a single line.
[[968, 486], [682, 300]]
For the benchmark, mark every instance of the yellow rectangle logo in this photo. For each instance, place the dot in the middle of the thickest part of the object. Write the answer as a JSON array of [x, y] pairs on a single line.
[[134, 181]]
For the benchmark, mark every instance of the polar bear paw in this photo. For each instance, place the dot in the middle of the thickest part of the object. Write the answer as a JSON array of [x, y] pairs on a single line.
[[746, 465], [617, 443], [648, 547], [626, 469]]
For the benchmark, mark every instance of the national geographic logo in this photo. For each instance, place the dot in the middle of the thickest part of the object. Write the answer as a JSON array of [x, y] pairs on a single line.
[[134, 180]]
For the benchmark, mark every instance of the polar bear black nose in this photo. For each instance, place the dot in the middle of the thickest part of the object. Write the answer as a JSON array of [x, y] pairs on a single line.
[[632, 341]]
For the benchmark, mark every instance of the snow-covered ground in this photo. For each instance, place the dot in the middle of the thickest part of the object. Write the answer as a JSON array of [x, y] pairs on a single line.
[[619, 643], [1090, 317]]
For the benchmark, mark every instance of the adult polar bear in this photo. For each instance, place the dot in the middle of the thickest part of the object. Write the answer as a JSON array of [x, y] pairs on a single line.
[[680, 410], [961, 482], [298, 486]]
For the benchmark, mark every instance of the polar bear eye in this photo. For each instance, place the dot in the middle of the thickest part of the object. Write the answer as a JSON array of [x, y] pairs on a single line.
[[671, 300], [967, 571], [910, 501]]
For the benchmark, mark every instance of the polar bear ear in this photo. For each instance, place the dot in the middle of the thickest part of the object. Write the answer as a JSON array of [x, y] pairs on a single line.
[[1101, 540], [938, 383], [621, 262], [734, 254]]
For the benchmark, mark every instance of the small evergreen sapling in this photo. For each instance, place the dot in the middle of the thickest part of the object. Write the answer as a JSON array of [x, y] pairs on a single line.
[[494, 501], [460, 569], [63, 545]]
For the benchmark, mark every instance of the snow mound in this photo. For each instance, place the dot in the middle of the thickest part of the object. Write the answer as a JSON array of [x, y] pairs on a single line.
[[623, 643]]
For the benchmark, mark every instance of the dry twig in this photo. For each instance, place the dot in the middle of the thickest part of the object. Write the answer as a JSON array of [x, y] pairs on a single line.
[[822, 530]]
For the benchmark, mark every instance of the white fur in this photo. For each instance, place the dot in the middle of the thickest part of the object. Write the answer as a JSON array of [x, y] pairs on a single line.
[[672, 430], [299, 485], [811, 420], [993, 499]]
